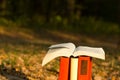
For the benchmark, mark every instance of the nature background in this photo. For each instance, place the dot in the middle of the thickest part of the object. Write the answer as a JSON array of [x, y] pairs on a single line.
[[29, 27]]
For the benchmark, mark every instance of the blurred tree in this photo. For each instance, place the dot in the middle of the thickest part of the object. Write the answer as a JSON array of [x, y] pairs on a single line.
[[70, 11], [2, 7], [118, 12], [67, 11], [48, 10]]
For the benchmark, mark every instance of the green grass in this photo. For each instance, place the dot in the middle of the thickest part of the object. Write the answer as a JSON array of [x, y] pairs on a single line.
[[86, 25]]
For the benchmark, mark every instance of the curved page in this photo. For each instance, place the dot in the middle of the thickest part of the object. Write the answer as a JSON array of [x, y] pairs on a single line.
[[65, 49], [90, 51], [63, 45]]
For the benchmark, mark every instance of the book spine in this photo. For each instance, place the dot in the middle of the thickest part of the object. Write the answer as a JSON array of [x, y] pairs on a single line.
[[73, 68], [64, 68], [84, 68]]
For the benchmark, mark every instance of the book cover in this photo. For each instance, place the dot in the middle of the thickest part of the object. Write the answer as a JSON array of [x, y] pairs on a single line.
[[84, 68], [64, 71]]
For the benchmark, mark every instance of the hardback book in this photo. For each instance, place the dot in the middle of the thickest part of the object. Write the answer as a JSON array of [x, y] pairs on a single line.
[[75, 63], [84, 68], [64, 71], [73, 68], [69, 49]]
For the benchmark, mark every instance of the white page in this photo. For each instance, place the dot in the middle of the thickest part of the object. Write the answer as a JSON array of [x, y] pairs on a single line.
[[65, 49], [64, 45], [89, 51], [74, 68]]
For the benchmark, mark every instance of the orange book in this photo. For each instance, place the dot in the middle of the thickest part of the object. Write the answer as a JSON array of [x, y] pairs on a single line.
[[64, 72], [84, 68]]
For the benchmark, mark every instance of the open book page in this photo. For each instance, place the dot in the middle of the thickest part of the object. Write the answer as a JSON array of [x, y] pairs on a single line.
[[64, 49], [89, 51], [64, 45]]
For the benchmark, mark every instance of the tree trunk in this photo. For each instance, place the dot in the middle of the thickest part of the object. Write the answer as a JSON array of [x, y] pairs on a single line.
[[48, 10], [70, 12], [2, 7]]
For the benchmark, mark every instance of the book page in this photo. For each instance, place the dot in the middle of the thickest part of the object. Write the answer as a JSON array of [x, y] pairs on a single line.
[[64, 49], [64, 45], [74, 68], [89, 51]]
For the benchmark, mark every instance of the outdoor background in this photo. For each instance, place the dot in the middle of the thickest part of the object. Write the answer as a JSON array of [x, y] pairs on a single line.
[[29, 27]]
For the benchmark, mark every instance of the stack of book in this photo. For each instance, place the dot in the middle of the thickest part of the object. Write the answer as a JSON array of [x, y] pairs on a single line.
[[75, 68], [75, 63]]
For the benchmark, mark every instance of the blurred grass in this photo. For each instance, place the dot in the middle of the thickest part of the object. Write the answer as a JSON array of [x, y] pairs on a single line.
[[85, 25]]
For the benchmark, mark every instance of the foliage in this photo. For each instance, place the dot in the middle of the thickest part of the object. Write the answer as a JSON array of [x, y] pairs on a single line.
[[93, 26], [86, 25], [107, 9], [85, 16]]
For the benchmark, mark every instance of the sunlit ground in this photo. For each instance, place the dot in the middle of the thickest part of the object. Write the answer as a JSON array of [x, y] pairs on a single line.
[[22, 51]]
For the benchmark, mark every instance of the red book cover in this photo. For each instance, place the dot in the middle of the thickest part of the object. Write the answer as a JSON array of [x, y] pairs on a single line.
[[84, 68], [64, 68]]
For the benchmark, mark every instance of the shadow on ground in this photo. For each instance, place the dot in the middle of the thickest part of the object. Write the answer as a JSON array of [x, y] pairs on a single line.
[[12, 74], [21, 45]]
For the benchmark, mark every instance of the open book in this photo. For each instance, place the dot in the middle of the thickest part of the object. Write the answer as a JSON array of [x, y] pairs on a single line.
[[69, 49]]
